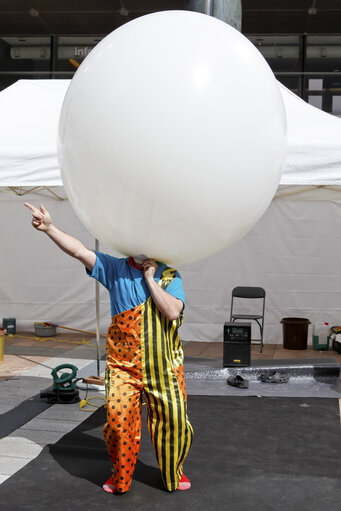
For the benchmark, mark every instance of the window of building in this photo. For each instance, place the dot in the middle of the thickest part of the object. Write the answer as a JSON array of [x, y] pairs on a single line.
[[23, 57], [72, 51], [283, 56], [322, 65]]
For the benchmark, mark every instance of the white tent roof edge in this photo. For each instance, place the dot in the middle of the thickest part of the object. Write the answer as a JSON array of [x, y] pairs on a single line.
[[29, 113]]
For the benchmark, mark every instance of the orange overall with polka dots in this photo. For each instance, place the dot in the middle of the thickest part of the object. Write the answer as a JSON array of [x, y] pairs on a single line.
[[144, 354]]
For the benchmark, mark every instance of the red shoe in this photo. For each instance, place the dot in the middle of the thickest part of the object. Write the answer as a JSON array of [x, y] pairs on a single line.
[[108, 486], [184, 483]]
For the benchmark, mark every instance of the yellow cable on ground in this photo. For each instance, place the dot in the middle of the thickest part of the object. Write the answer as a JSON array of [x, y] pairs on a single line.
[[68, 328], [44, 339], [87, 401]]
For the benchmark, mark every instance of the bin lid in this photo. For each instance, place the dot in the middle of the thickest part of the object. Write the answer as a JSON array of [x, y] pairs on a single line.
[[295, 320]]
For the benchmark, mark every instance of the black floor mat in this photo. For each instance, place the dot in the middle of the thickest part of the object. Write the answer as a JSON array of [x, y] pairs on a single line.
[[249, 453], [21, 414]]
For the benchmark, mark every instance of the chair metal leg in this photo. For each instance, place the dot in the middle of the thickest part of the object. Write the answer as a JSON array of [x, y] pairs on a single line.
[[261, 334]]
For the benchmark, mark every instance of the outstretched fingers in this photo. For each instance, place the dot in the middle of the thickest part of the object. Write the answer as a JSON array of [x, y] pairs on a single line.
[[42, 209], [37, 215], [35, 211], [30, 206]]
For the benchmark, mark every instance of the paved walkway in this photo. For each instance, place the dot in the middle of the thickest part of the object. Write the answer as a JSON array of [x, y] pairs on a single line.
[[25, 371]]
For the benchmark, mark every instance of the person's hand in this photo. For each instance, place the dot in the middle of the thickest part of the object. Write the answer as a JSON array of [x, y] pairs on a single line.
[[41, 219], [149, 268]]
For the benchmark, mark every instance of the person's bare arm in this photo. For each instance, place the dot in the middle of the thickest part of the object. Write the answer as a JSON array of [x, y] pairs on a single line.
[[167, 304], [41, 221]]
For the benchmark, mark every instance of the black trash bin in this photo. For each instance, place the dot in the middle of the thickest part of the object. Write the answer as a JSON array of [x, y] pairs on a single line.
[[295, 333]]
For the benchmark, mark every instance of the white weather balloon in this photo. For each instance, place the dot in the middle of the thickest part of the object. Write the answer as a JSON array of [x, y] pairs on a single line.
[[172, 137]]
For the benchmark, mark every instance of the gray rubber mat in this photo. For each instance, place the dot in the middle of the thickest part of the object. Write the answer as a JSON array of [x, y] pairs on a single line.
[[21, 414], [263, 454]]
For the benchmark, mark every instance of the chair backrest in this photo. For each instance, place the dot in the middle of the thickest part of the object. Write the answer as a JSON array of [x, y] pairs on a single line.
[[248, 292]]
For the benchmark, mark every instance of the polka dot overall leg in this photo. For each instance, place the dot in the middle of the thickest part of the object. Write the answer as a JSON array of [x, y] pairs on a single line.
[[122, 431]]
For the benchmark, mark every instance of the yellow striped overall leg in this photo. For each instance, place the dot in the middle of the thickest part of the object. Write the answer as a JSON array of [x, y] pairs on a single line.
[[169, 427]]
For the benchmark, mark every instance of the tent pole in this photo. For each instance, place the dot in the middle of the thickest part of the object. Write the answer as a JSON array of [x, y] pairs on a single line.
[[97, 380], [97, 320]]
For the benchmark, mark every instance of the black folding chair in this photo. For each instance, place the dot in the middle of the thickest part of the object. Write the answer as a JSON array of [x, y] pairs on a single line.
[[247, 293]]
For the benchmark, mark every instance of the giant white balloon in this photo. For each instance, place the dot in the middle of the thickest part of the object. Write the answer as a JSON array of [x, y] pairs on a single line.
[[172, 137]]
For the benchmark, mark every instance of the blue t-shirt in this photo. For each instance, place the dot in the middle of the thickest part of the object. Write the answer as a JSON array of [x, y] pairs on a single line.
[[126, 284]]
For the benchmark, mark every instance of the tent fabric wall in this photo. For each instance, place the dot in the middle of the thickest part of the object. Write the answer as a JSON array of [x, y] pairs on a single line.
[[293, 252], [38, 281]]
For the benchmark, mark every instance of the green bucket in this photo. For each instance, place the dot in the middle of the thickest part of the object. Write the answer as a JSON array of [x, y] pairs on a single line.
[[319, 345]]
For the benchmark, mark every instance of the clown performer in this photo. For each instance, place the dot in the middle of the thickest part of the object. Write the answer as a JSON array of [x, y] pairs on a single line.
[[143, 355]]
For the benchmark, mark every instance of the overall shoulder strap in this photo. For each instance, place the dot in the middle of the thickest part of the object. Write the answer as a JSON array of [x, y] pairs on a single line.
[[168, 275]]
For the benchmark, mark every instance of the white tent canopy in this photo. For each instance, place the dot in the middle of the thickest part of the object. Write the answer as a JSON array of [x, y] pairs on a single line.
[[29, 113], [28, 129], [314, 148], [293, 251]]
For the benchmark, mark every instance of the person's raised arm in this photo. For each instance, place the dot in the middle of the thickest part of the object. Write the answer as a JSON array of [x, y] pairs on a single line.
[[41, 221], [167, 304]]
